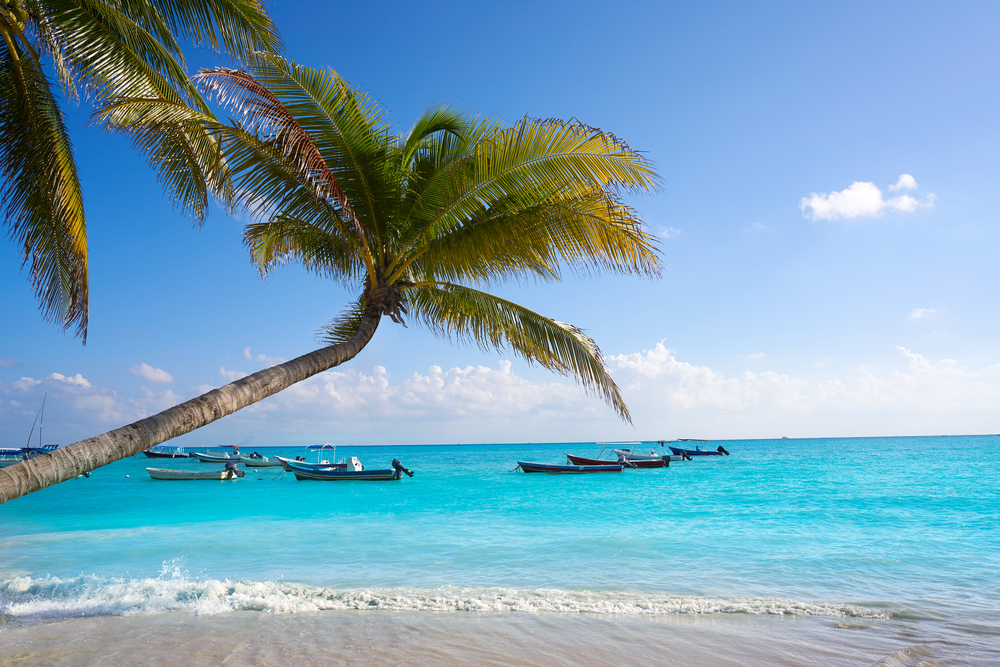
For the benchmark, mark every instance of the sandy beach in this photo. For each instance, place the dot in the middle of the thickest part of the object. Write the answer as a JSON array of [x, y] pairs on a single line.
[[395, 639]]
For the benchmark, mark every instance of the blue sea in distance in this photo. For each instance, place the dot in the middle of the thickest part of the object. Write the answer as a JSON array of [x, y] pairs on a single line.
[[892, 529]]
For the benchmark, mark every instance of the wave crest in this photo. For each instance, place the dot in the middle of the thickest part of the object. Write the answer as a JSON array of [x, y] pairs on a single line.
[[27, 599]]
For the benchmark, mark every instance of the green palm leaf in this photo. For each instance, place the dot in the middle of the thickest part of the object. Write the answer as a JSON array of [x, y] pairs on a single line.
[[470, 316], [125, 55], [40, 193]]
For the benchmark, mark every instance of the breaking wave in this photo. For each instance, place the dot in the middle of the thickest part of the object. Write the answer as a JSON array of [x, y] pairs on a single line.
[[30, 599]]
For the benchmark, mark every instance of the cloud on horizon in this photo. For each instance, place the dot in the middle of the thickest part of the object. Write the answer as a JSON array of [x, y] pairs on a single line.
[[668, 398], [862, 199]]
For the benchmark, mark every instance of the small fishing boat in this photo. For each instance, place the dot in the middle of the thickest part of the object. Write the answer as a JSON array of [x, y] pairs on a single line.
[[356, 471], [255, 460], [556, 469], [320, 462], [161, 452], [622, 461], [163, 473], [224, 457], [697, 451], [623, 456]]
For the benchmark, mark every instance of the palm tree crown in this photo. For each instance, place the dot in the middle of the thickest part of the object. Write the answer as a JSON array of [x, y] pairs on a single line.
[[419, 222], [111, 52]]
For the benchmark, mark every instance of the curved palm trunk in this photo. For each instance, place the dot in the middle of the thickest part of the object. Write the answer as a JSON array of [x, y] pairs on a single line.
[[71, 461]]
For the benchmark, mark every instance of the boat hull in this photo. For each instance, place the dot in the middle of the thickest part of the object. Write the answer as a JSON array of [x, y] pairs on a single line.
[[215, 458], [556, 469], [165, 455], [305, 464], [695, 452], [340, 475], [163, 473], [251, 462], [581, 461]]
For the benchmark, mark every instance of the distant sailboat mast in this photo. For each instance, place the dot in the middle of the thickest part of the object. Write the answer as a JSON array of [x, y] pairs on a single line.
[[40, 413]]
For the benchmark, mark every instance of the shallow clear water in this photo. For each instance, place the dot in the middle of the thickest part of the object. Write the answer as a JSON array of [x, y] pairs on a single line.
[[888, 529]]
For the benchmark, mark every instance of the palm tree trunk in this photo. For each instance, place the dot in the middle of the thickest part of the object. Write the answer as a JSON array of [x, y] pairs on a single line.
[[71, 461]]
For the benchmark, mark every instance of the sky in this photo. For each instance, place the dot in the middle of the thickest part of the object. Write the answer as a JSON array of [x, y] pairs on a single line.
[[827, 221]]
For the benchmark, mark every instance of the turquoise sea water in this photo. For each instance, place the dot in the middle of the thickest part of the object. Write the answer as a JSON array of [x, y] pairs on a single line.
[[894, 530]]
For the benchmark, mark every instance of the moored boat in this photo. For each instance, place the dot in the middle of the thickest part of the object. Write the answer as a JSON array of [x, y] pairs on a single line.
[[356, 471], [622, 461], [557, 469], [205, 457], [161, 452], [306, 464], [258, 461], [163, 473], [697, 451]]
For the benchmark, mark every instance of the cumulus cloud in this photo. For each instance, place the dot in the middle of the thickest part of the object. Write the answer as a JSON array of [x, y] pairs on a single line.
[[920, 313], [905, 182], [26, 384], [670, 233], [231, 376], [899, 394], [755, 228], [861, 200], [752, 356], [76, 381], [150, 374], [263, 359]]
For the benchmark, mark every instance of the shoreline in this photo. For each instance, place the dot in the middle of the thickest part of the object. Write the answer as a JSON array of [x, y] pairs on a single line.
[[395, 639]]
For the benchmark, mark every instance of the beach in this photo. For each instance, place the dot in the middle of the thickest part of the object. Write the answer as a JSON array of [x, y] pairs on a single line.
[[821, 552], [426, 639]]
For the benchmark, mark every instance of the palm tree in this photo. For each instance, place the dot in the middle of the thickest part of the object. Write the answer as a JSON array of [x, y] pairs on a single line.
[[108, 52], [417, 223]]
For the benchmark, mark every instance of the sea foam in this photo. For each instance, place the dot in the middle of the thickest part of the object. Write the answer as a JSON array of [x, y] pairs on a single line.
[[29, 599]]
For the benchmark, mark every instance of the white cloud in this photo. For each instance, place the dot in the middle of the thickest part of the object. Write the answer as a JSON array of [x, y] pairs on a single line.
[[752, 356], [231, 376], [150, 374], [920, 313], [670, 233], [755, 228], [900, 394], [861, 200], [73, 381], [9, 363], [26, 384], [905, 182], [262, 359]]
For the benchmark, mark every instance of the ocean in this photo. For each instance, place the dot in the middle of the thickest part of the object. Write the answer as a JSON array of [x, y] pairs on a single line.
[[854, 551]]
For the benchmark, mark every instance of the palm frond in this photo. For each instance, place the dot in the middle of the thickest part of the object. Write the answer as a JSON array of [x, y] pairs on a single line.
[[182, 146], [532, 156], [282, 240], [343, 327], [240, 27], [40, 192], [469, 315], [282, 134], [587, 232]]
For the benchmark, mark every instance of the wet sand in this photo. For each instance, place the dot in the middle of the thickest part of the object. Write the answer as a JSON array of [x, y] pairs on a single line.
[[427, 639]]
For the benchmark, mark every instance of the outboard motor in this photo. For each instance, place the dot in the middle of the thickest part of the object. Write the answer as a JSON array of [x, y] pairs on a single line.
[[398, 467], [233, 470], [722, 450]]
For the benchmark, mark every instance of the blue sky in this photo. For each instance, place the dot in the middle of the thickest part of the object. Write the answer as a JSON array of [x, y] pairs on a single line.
[[828, 223]]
